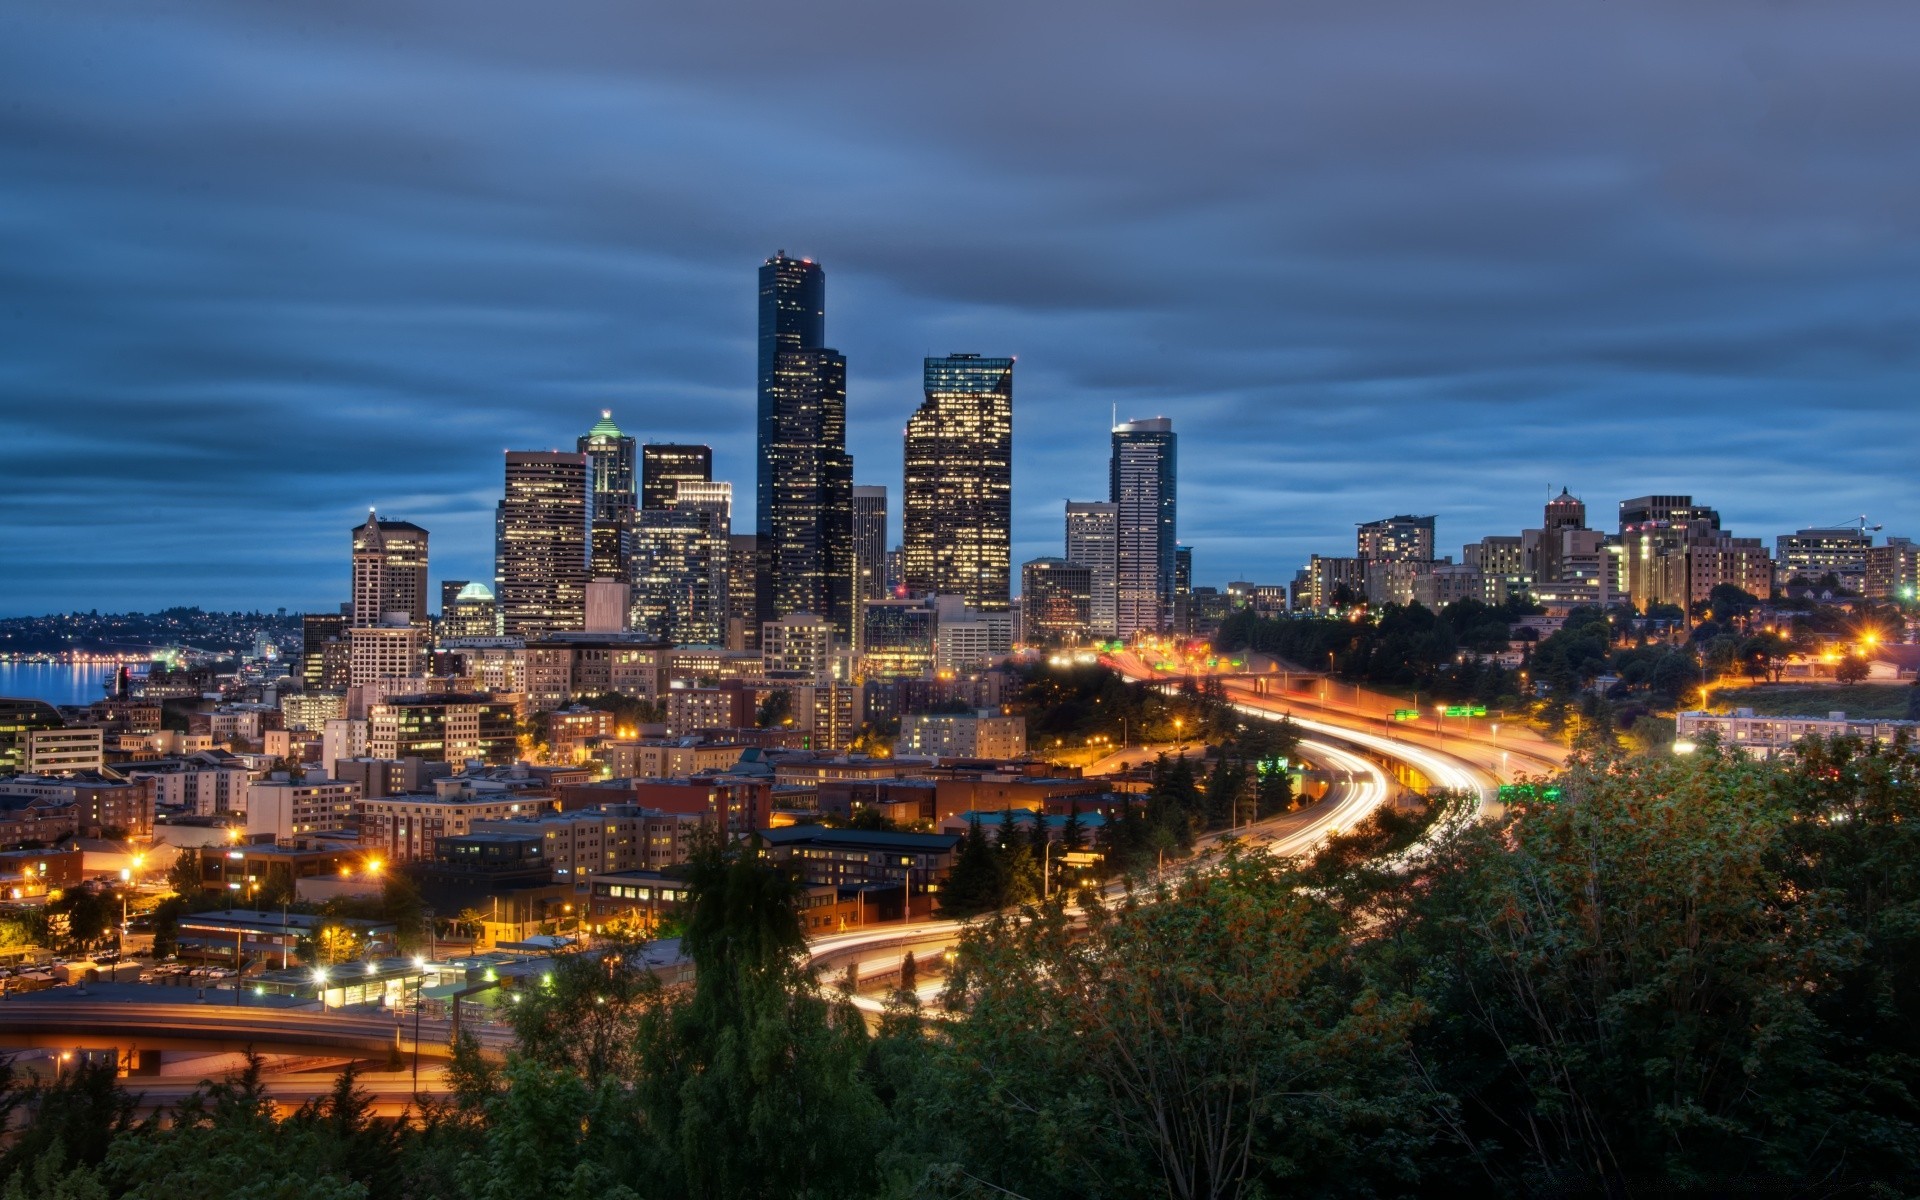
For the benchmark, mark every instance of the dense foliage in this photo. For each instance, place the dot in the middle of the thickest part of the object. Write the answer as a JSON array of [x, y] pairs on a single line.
[[1404, 647], [1695, 974]]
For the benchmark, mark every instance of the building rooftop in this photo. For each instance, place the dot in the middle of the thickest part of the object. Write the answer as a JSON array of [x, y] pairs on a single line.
[[791, 835]]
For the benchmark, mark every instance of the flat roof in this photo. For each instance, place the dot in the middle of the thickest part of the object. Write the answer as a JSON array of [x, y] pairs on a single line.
[[790, 835]]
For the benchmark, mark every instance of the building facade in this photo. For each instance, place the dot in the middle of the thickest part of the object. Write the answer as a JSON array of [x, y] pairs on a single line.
[[804, 491], [1142, 477], [541, 552], [869, 542], [389, 571], [956, 501], [1093, 542], [611, 496]]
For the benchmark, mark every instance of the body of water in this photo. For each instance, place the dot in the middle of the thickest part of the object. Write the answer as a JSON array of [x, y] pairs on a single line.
[[56, 683]]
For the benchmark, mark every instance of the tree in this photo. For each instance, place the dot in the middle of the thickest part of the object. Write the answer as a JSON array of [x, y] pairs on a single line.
[[1851, 668], [973, 883], [752, 1085], [1209, 1046], [1073, 835]]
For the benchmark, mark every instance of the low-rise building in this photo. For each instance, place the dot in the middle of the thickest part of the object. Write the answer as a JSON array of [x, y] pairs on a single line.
[[105, 804], [203, 784], [450, 727], [984, 733], [240, 936], [406, 828], [1772, 737], [73, 748], [818, 855], [25, 874]]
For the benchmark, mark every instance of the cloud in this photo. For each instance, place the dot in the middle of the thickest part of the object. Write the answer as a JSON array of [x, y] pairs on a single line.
[[261, 266]]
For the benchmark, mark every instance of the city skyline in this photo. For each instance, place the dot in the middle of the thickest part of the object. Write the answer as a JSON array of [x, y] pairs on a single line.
[[1576, 291]]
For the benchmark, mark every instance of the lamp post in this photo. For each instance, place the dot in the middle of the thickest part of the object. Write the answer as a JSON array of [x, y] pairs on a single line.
[[419, 1002]]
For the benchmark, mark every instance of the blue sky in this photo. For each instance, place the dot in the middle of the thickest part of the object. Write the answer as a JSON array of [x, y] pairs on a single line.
[[264, 265]]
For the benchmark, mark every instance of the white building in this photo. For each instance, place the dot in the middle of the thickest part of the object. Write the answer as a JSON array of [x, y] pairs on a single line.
[[1769, 737], [982, 734], [284, 810]]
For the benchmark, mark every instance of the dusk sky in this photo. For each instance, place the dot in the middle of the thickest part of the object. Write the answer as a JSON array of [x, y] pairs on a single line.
[[264, 265]]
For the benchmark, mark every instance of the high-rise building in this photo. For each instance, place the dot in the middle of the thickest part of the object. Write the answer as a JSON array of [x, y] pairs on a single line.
[[611, 497], [1676, 554], [804, 491], [956, 506], [1141, 481], [1893, 571], [743, 629], [320, 669], [1056, 602], [540, 567], [472, 613], [1396, 539], [664, 466], [389, 571], [1093, 541], [681, 566], [395, 651], [869, 542], [449, 592], [1183, 590]]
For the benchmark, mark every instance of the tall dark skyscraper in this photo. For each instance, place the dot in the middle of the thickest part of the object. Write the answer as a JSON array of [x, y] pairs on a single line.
[[1141, 480], [804, 496], [610, 480], [664, 466], [956, 504], [869, 542]]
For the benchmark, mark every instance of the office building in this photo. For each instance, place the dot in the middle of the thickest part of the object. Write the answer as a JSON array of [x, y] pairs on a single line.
[[956, 504], [449, 728], [389, 571], [664, 466], [324, 658], [798, 644], [1676, 553], [968, 641], [869, 542], [1056, 602], [804, 489], [1142, 479], [896, 637], [1093, 541], [743, 628], [680, 576], [540, 567], [393, 651], [611, 498], [471, 614], [1810, 555]]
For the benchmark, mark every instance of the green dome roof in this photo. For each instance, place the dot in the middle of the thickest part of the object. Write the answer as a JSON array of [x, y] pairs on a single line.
[[474, 591], [606, 428]]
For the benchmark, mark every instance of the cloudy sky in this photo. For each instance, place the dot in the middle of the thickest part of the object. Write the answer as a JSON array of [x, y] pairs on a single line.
[[264, 265]]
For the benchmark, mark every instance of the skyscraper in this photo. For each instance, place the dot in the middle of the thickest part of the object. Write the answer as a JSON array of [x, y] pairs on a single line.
[[1056, 602], [1093, 542], [664, 466], [869, 542], [956, 506], [804, 494], [610, 480], [389, 571], [540, 568], [1141, 481], [681, 566]]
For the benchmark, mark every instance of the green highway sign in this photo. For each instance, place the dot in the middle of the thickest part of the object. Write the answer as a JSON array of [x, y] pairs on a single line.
[[1406, 714]]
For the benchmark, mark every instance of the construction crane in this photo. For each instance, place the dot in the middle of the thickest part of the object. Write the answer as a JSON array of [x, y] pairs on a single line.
[[1860, 523]]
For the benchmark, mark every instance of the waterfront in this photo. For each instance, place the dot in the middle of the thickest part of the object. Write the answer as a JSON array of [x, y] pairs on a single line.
[[56, 683]]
